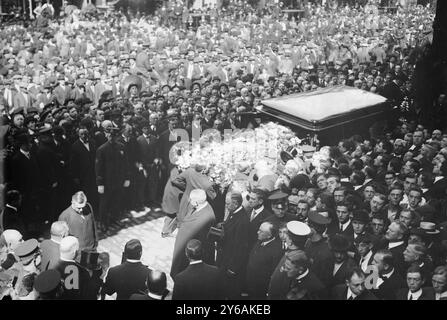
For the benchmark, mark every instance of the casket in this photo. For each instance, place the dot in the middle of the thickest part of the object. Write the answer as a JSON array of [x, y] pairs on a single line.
[[331, 113]]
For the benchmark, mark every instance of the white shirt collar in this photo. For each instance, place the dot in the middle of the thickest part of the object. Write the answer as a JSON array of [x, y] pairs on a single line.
[[58, 242], [303, 275], [11, 207], [237, 210], [392, 245], [196, 262], [132, 260], [351, 294], [155, 296], [415, 295], [201, 206], [267, 242], [259, 210], [438, 178], [366, 260], [438, 296]]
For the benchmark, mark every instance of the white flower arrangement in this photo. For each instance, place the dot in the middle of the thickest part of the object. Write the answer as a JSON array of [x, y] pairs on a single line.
[[222, 156]]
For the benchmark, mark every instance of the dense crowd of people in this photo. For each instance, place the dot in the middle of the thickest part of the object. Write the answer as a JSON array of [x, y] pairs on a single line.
[[90, 104]]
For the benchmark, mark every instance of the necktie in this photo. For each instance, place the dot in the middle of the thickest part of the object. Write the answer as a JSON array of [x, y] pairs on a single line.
[[350, 298], [341, 227], [253, 215], [411, 297]]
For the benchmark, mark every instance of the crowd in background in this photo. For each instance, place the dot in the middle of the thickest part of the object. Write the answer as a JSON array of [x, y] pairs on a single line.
[[89, 103]]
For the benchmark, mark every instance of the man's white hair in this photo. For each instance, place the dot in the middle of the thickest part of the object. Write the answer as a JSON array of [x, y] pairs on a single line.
[[10, 238]]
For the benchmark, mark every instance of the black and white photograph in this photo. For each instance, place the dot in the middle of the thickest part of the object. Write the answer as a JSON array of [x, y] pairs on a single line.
[[223, 150]]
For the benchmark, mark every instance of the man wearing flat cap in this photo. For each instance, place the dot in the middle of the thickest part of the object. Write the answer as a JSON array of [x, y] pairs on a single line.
[[196, 223]]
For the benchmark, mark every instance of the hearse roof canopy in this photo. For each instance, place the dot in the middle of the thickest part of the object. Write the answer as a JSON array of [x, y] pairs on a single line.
[[312, 109]]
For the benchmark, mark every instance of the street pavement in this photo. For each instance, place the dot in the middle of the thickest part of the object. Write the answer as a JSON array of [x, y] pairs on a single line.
[[145, 226]]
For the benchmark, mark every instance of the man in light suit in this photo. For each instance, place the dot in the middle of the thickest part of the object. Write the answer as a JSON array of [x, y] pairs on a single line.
[[192, 178], [49, 248], [196, 223]]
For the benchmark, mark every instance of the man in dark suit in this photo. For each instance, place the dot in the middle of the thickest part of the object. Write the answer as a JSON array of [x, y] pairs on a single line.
[[133, 197], [395, 236], [199, 281], [317, 247], [299, 283], [130, 276], [258, 214], [156, 287], [439, 187], [415, 291], [344, 213], [341, 263], [389, 281], [298, 233], [353, 288], [82, 166], [233, 250], [112, 176], [49, 248], [47, 162], [262, 261], [75, 277], [11, 217], [22, 174], [148, 149]]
